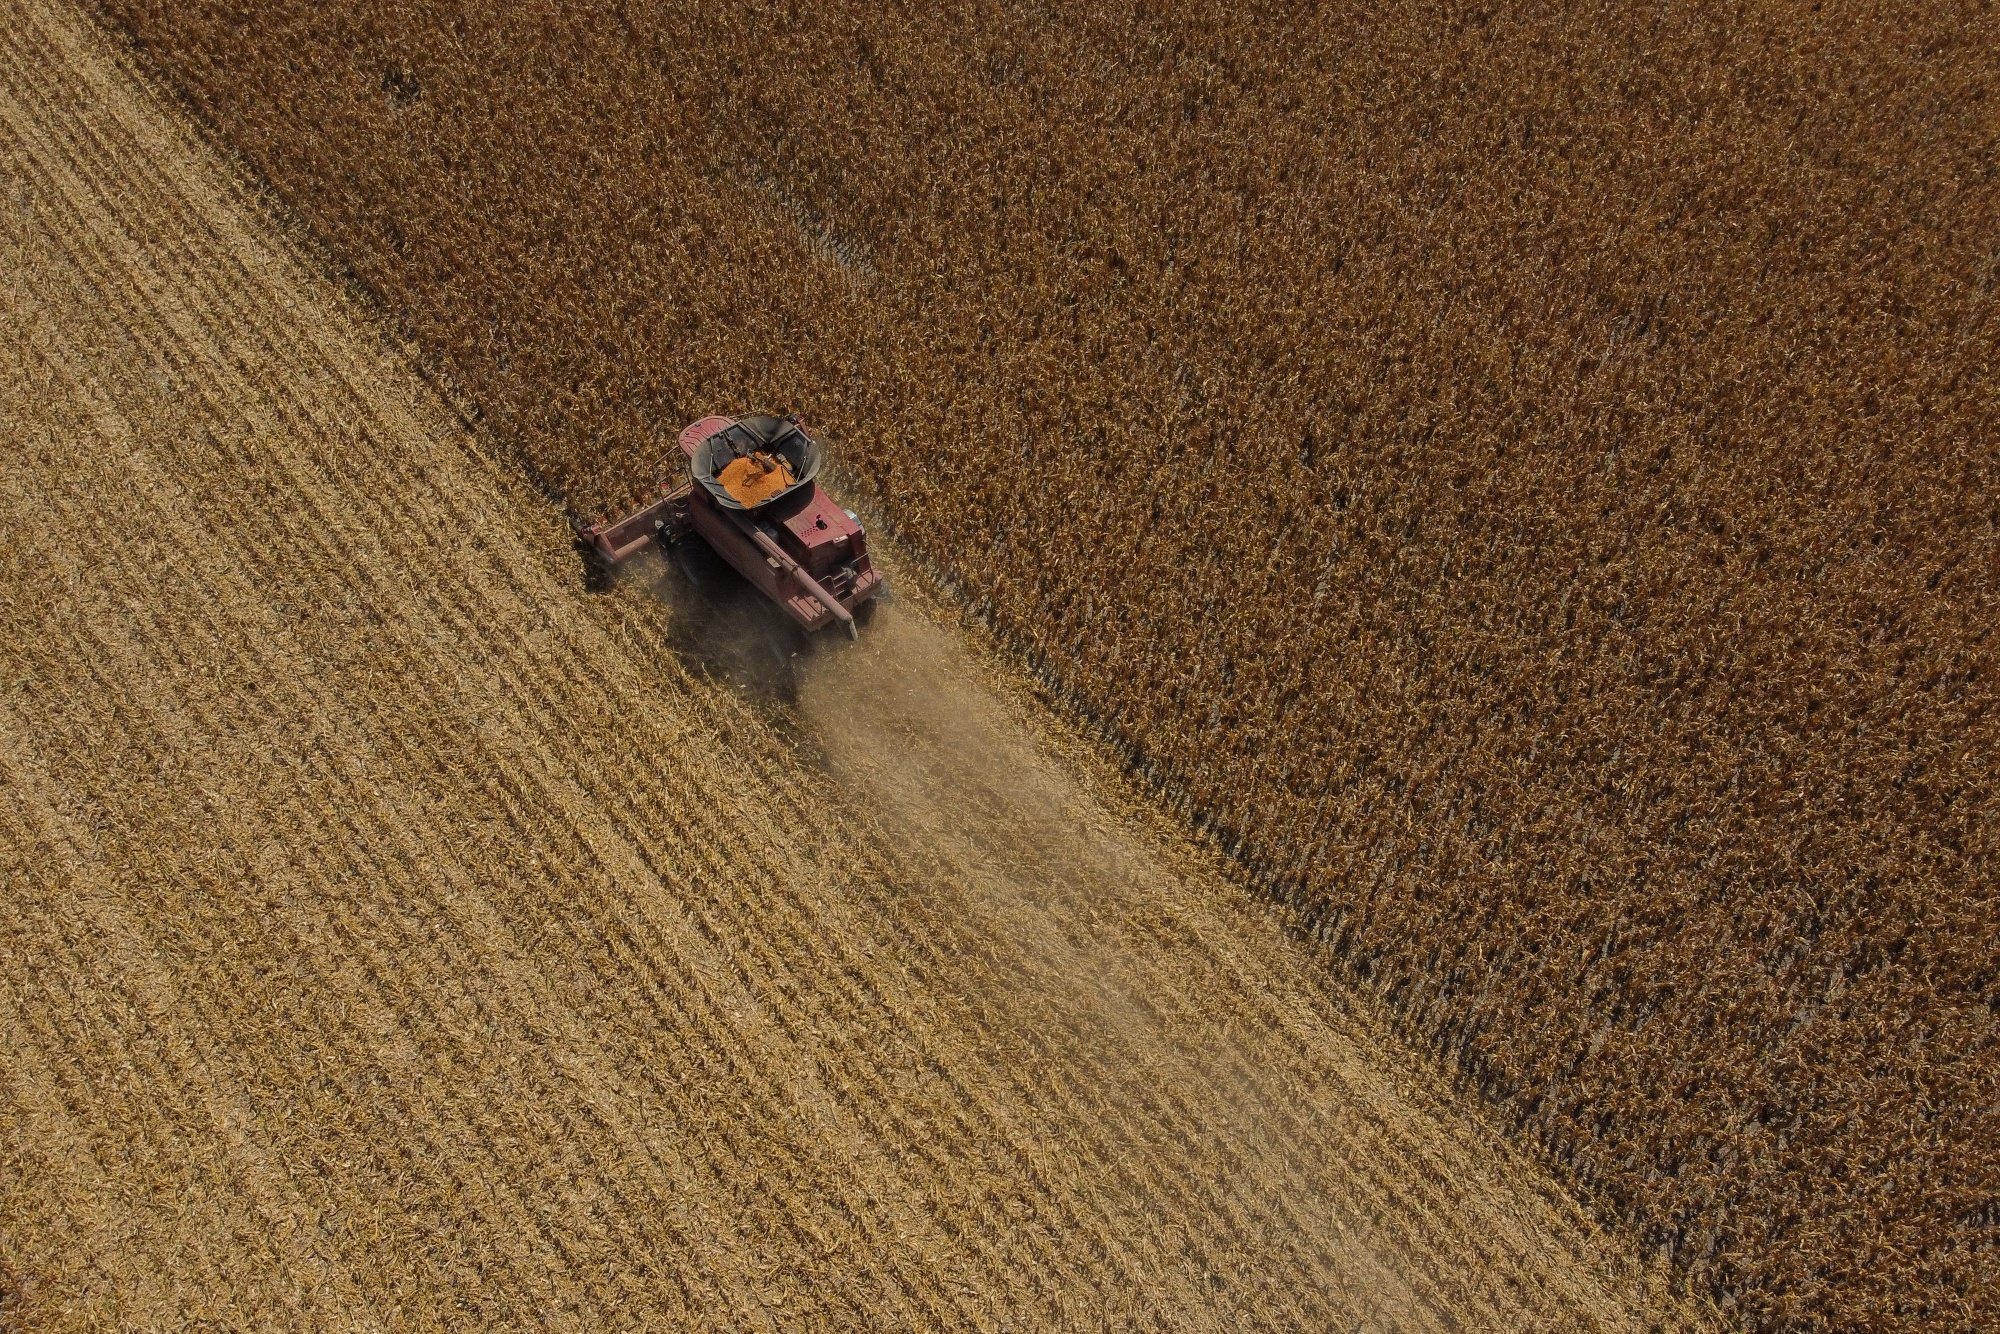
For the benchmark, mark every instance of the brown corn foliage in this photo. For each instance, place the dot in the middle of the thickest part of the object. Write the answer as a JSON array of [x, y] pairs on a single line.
[[1524, 474]]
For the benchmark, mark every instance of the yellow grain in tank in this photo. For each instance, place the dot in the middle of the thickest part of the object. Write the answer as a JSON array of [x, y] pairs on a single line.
[[755, 478]]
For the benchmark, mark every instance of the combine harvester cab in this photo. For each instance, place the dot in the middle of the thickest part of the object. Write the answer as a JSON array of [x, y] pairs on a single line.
[[795, 545]]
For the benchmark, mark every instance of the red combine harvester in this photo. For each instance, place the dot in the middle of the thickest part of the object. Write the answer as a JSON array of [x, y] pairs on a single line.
[[751, 496]]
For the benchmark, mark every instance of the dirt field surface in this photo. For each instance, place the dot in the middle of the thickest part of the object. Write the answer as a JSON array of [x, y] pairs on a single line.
[[397, 935]]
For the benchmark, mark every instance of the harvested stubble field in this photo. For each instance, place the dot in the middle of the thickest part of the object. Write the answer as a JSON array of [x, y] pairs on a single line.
[[392, 937], [1524, 475]]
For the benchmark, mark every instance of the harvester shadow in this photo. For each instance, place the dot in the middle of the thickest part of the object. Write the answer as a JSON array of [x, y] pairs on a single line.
[[719, 625]]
